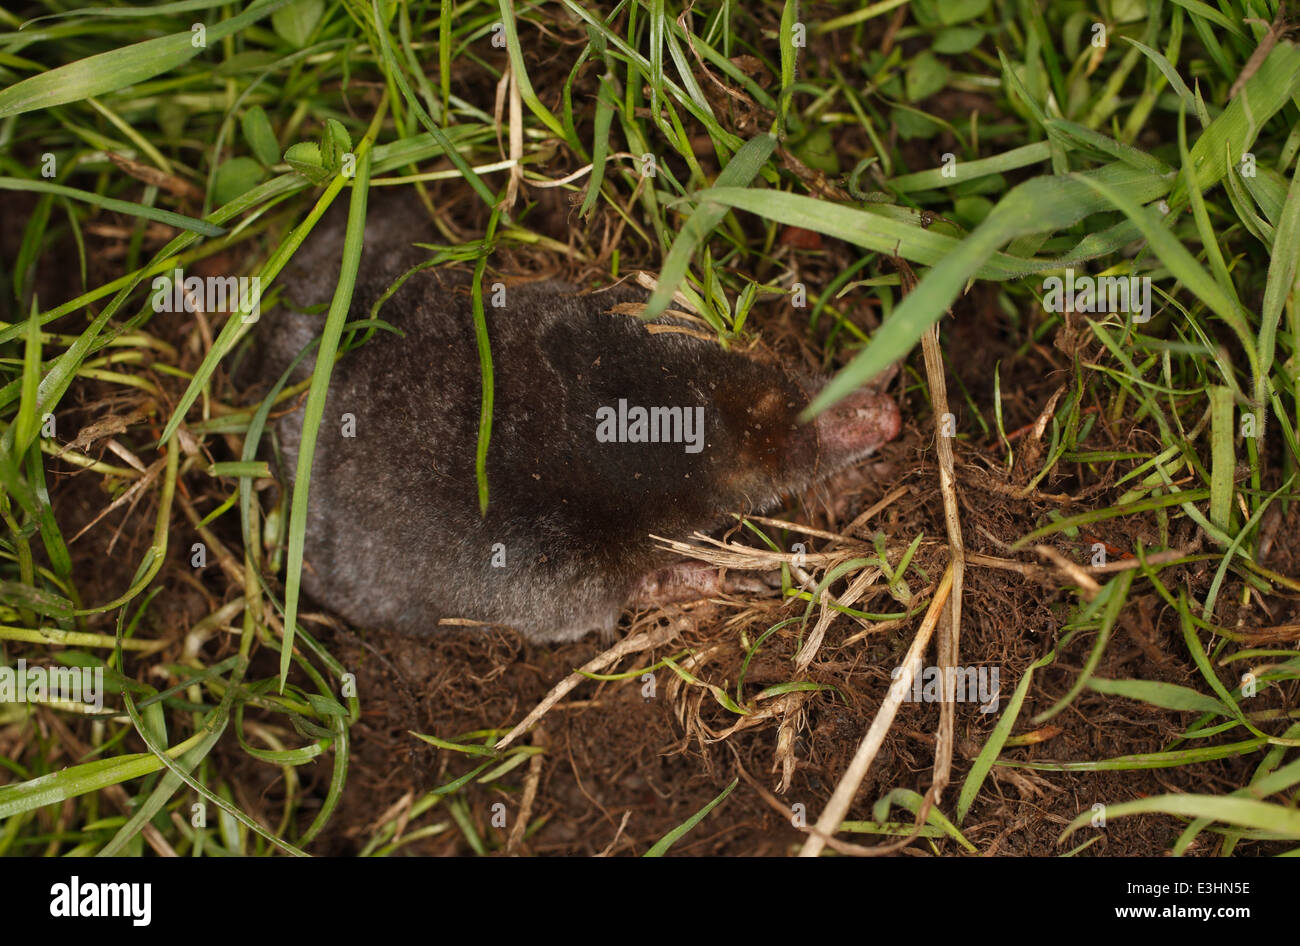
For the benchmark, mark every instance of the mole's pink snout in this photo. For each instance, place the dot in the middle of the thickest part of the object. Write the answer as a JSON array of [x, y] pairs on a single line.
[[856, 427]]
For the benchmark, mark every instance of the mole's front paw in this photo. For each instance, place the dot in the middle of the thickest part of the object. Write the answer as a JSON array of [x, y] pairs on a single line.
[[692, 580]]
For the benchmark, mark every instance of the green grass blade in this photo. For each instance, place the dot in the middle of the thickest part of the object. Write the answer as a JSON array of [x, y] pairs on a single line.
[[515, 50], [1149, 760], [180, 221], [964, 171], [119, 68], [1281, 284], [1242, 812], [1166, 695], [481, 341], [1175, 81], [1235, 129], [606, 102], [983, 763], [1223, 462], [315, 407], [80, 779], [672, 837]]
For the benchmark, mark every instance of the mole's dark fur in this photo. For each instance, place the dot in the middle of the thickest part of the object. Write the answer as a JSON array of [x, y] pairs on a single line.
[[394, 534]]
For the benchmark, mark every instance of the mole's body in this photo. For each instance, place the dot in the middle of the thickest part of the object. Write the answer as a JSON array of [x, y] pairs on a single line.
[[577, 482]]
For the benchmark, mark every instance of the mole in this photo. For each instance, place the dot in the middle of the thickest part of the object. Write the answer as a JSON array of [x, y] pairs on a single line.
[[606, 429]]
